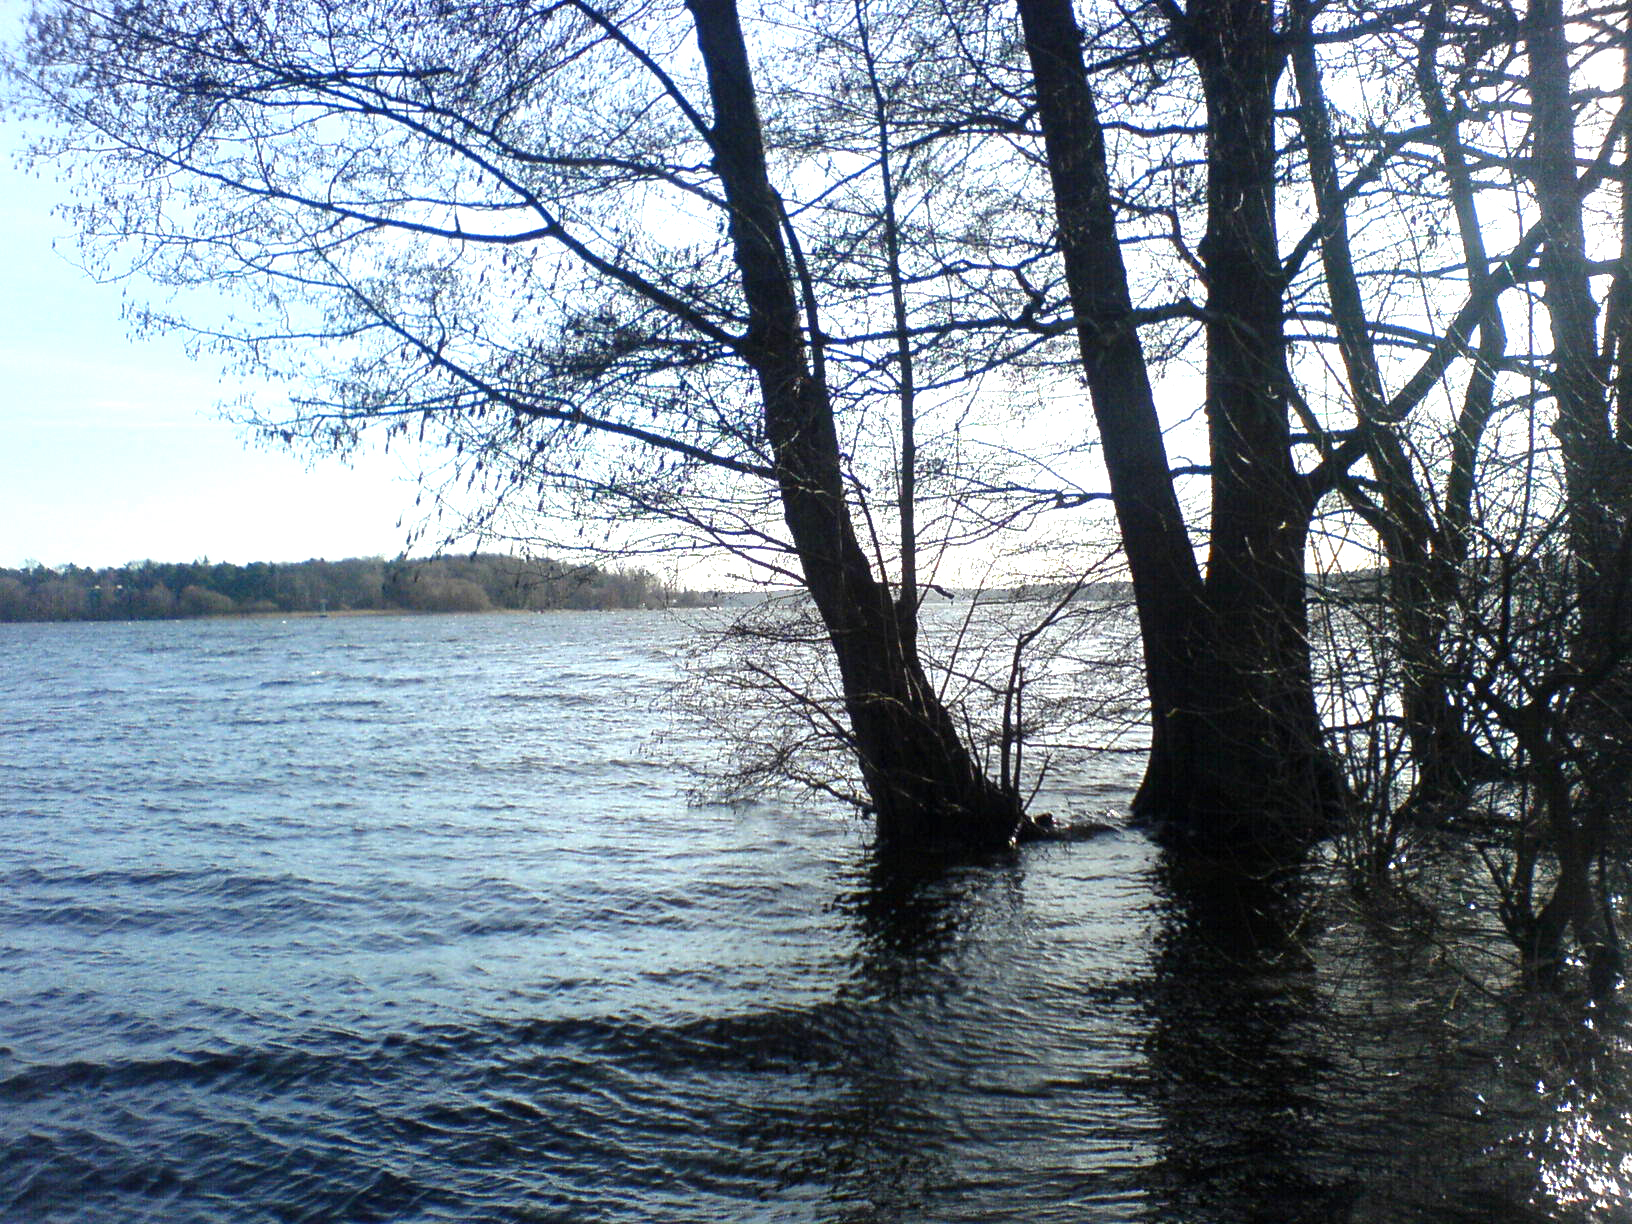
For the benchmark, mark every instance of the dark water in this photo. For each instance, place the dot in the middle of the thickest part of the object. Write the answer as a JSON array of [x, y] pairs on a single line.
[[410, 919]]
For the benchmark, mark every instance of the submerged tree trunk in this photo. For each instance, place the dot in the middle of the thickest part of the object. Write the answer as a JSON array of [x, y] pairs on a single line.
[[1454, 761], [1237, 759], [1166, 582], [1598, 498], [1257, 694], [925, 787]]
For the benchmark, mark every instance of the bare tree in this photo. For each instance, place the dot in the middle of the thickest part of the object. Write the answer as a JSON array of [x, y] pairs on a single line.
[[532, 233], [1227, 644]]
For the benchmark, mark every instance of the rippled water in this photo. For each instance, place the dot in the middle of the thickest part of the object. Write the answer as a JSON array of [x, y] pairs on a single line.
[[410, 919]]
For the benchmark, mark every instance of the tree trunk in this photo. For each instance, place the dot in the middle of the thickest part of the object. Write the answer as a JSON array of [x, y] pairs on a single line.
[[1256, 696], [925, 787], [1166, 582], [1597, 463], [1236, 755]]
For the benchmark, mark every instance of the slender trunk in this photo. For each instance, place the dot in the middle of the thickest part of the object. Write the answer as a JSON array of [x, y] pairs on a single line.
[[1618, 312], [1597, 464], [1406, 528], [923, 782], [906, 383], [1166, 582], [1463, 762], [1478, 403], [1594, 465], [1424, 557]]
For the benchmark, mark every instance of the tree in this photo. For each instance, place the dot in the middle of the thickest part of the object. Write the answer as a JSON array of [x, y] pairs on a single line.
[[443, 210], [1227, 649], [1237, 740], [1507, 551]]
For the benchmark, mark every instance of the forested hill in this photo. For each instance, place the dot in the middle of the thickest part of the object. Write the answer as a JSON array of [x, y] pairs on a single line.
[[152, 590]]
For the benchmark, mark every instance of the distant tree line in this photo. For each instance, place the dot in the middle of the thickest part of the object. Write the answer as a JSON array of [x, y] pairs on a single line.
[[152, 590]]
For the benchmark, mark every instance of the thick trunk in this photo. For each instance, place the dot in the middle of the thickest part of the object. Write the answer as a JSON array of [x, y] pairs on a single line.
[[923, 782], [1597, 463], [1236, 752], [1256, 699]]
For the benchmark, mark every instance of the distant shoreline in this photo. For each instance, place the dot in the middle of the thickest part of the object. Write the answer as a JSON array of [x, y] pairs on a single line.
[[199, 590]]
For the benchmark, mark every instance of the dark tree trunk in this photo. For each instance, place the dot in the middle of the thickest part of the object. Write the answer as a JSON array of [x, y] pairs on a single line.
[[1595, 463], [1598, 498], [1256, 696], [1237, 759], [1448, 761], [925, 787], [1166, 582]]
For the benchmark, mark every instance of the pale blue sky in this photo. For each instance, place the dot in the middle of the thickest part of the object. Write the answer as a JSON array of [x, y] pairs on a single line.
[[111, 449]]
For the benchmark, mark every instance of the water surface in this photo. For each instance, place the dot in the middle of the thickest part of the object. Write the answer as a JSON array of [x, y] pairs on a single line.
[[372, 918]]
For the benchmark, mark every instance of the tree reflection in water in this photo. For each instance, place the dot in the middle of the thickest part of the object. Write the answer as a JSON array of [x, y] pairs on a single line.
[[1086, 1033], [1335, 1069], [993, 1079]]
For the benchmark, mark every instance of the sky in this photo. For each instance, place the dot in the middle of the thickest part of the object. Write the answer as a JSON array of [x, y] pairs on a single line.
[[112, 450]]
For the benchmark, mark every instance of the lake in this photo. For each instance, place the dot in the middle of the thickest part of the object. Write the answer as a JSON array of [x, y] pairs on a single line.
[[416, 919]]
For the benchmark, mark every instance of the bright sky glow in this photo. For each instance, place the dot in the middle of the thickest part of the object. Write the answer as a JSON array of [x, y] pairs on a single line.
[[111, 449]]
